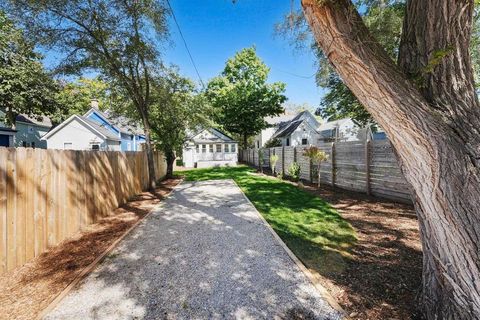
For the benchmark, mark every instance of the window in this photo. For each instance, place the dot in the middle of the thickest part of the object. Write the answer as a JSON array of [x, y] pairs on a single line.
[[33, 145], [95, 147], [197, 148], [219, 148], [304, 142], [67, 145], [204, 148], [226, 148], [232, 148], [24, 144], [210, 148], [288, 142]]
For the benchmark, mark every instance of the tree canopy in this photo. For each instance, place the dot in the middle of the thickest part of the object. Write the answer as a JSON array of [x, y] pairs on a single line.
[[384, 20], [177, 108], [241, 96], [119, 39], [25, 87]]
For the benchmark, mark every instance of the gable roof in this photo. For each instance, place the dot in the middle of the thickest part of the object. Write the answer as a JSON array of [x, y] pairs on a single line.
[[42, 121], [218, 136], [333, 124], [92, 125], [287, 128], [123, 124]]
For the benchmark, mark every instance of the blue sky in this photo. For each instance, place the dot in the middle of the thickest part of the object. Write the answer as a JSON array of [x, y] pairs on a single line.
[[216, 29]]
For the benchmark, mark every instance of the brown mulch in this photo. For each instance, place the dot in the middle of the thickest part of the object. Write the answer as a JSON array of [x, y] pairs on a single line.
[[383, 274], [26, 291]]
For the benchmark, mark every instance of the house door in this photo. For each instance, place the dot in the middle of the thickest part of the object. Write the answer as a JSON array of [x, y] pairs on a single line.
[[4, 141]]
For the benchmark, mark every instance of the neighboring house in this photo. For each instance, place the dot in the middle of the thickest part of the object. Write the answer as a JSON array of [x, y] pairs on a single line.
[[28, 131], [299, 130], [210, 148], [81, 133], [31, 130], [266, 134], [131, 136], [341, 130]]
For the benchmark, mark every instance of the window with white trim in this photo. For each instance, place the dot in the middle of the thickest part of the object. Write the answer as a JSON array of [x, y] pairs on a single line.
[[210, 148], [219, 148], [232, 148], [204, 148], [226, 148]]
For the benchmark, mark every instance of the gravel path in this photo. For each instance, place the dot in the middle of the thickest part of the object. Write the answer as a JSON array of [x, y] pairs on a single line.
[[203, 254]]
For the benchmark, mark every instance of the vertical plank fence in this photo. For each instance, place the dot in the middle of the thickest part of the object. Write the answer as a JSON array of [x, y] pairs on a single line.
[[47, 196], [364, 166]]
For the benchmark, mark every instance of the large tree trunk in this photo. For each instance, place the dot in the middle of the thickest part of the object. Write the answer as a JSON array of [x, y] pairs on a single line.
[[170, 156], [437, 154], [150, 156]]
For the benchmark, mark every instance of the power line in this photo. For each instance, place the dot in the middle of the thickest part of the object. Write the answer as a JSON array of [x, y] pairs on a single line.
[[185, 43], [296, 75]]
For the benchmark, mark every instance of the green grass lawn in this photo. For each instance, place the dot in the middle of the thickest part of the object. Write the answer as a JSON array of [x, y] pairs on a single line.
[[310, 227]]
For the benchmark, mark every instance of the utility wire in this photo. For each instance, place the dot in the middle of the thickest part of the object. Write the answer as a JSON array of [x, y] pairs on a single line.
[[185, 43], [294, 74]]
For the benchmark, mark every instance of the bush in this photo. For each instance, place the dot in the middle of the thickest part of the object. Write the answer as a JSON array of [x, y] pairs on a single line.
[[179, 162], [272, 143], [273, 162], [294, 171]]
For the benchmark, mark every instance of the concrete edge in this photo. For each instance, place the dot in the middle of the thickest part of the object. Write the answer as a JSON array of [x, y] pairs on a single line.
[[88, 269], [311, 275]]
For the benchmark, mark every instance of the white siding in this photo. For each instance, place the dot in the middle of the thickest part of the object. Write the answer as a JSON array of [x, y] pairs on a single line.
[[81, 138]]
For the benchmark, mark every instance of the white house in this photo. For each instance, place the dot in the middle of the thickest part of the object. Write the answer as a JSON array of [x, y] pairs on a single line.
[[341, 130], [291, 131], [274, 122], [82, 133], [210, 148]]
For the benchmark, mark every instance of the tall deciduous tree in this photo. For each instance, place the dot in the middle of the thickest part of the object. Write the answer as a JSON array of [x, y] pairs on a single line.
[[76, 97], [25, 87], [117, 38], [428, 106], [176, 110], [241, 96]]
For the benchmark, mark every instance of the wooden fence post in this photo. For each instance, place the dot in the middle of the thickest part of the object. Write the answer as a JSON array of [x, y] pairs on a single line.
[[332, 153], [283, 161], [367, 166]]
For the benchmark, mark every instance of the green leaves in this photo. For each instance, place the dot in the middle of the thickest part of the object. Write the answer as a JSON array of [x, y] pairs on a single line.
[[241, 96], [25, 87]]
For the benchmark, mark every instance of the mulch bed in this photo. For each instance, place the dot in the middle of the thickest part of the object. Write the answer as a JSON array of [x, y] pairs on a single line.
[[27, 290], [383, 274]]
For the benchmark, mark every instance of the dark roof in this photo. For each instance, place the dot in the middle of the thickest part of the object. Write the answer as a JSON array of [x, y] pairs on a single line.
[[287, 129], [43, 121], [104, 131]]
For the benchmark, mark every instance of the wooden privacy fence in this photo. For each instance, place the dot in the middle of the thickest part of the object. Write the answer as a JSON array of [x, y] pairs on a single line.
[[48, 195], [364, 166]]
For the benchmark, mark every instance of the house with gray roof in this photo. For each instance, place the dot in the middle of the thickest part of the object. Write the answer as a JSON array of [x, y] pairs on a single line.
[[131, 135], [297, 130], [209, 148], [82, 133], [28, 131]]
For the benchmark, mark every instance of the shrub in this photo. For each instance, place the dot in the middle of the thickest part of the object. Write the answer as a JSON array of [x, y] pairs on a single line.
[[316, 156], [294, 171], [273, 162], [272, 143]]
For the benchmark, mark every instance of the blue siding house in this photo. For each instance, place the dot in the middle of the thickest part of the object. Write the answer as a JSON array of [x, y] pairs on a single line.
[[131, 136]]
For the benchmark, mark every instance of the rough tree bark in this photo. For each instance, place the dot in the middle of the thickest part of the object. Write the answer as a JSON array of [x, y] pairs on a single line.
[[152, 184], [432, 130], [170, 157]]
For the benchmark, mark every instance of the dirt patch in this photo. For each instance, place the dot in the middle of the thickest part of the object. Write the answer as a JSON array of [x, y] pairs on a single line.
[[383, 274], [27, 290]]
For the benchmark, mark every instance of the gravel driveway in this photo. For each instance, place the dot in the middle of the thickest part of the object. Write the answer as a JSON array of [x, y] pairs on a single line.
[[203, 254]]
